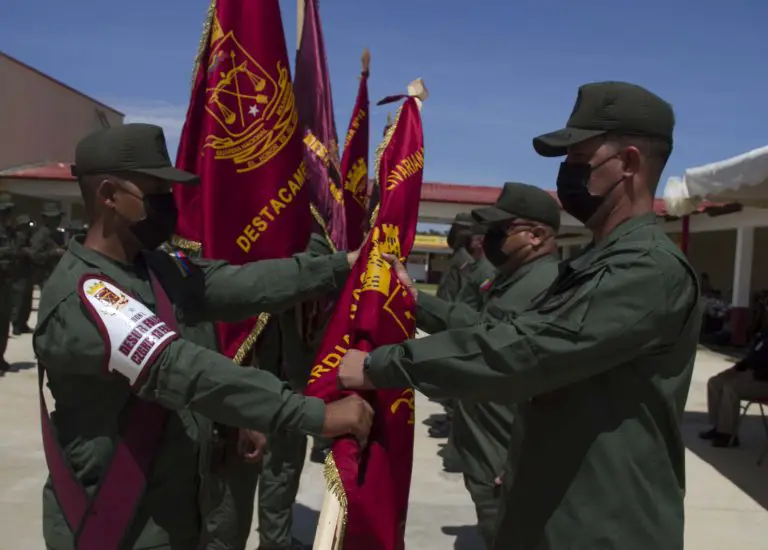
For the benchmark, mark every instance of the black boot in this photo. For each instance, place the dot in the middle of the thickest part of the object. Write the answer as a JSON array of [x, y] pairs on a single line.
[[725, 440], [318, 455], [709, 434]]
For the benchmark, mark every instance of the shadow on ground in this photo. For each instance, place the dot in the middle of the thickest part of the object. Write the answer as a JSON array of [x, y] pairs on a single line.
[[736, 464], [732, 353], [305, 523], [24, 365], [434, 420], [466, 537]]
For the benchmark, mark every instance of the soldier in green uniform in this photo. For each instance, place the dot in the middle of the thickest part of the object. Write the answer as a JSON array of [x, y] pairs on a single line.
[[602, 361], [520, 242], [8, 261], [448, 288], [123, 336], [290, 356], [24, 275], [454, 278], [48, 242], [276, 468], [76, 228], [477, 273]]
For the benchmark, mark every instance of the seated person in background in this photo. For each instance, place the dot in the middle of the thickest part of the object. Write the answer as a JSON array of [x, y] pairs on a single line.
[[747, 379], [715, 312]]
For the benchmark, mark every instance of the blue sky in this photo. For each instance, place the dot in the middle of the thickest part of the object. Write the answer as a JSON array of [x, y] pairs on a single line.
[[499, 72]]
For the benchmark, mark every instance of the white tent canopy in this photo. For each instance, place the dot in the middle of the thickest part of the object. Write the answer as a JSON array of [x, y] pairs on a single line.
[[742, 179]]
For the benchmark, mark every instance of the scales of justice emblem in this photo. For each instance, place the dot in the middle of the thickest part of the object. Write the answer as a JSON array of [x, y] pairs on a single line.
[[254, 109]]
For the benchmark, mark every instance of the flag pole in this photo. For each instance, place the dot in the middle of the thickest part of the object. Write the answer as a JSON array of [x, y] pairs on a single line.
[[299, 22]]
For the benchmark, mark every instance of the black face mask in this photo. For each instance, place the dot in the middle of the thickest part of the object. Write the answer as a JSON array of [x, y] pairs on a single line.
[[160, 221], [492, 246], [573, 190]]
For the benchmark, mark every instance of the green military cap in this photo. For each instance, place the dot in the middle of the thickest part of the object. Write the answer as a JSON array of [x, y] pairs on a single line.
[[137, 148], [51, 210], [76, 225], [460, 230], [520, 200], [23, 219], [610, 107], [479, 228], [463, 219], [6, 202]]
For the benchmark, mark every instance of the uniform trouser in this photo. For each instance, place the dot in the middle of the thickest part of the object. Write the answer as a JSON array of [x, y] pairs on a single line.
[[279, 484], [6, 295], [228, 501], [22, 300], [725, 391], [486, 498]]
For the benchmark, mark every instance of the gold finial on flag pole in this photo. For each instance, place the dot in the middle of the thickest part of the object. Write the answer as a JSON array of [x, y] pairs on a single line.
[[416, 89], [366, 60]]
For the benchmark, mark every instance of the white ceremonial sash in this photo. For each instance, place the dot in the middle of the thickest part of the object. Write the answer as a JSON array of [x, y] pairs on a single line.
[[133, 335]]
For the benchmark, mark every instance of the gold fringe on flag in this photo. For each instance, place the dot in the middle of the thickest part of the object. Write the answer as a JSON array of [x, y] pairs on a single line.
[[210, 16], [321, 222], [253, 337], [186, 245], [332, 524], [377, 159]]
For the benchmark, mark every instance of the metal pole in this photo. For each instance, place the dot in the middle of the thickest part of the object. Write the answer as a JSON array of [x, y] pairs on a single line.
[[686, 234], [299, 22]]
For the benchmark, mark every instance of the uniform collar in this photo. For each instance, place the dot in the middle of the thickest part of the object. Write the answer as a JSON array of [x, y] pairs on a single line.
[[106, 265], [622, 230]]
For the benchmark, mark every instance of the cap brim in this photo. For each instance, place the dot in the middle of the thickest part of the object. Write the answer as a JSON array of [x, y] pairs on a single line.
[[479, 229], [555, 144], [52, 214], [171, 174], [491, 215]]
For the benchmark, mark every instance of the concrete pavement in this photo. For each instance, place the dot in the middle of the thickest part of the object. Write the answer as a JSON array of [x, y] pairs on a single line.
[[725, 506]]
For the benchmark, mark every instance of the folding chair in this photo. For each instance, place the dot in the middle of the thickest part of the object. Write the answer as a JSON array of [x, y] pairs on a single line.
[[762, 403]]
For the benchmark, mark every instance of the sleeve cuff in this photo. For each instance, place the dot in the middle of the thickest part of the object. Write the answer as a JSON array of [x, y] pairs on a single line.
[[314, 416], [340, 267], [384, 370]]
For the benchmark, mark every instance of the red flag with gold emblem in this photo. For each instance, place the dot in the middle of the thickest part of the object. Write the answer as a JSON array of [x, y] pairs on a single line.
[[241, 138], [374, 310], [354, 164], [317, 126]]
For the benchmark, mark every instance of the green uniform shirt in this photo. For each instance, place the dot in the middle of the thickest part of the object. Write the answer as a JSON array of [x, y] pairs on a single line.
[[454, 279], [44, 242], [604, 361], [8, 254], [483, 429], [479, 273], [23, 243], [185, 377], [284, 351]]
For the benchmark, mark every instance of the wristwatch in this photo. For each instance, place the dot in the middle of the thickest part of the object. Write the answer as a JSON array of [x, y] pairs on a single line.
[[366, 362]]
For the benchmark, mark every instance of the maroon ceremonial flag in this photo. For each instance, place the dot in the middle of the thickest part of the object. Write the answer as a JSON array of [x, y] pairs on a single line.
[[241, 138], [354, 164], [312, 87], [374, 310]]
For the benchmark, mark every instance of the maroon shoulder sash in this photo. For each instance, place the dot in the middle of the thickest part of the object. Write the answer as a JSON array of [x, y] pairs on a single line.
[[100, 522]]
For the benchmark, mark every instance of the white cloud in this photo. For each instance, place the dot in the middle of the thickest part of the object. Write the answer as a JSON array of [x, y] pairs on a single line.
[[168, 116]]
